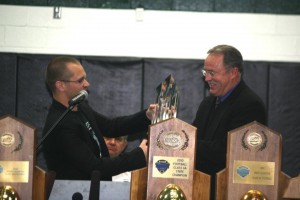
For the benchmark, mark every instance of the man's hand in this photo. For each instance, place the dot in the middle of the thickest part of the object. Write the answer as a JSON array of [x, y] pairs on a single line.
[[144, 147], [151, 111]]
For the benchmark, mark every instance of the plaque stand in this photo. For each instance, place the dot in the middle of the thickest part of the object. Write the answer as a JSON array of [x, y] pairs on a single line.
[[253, 165], [293, 189], [17, 161], [171, 161]]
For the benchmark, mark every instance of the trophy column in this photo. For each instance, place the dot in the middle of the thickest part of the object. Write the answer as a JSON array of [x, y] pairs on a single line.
[[20, 178], [17, 158], [171, 156], [171, 163], [253, 169]]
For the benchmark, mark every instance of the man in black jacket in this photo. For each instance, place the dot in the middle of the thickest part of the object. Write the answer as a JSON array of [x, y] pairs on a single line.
[[230, 105], [75, 147]]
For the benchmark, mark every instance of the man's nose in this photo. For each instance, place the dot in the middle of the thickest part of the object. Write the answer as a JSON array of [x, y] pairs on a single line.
[[86, 83], [208, 77], [112, 141]]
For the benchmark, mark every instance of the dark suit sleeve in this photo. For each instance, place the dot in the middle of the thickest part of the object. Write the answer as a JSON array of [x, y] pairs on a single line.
[[246, 108], [123, 125], [125, 162], [72, 152], [75, 155]]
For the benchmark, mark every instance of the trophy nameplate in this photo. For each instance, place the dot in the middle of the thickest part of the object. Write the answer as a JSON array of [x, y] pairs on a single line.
[[171, 167], [14, 171], [253, 172]]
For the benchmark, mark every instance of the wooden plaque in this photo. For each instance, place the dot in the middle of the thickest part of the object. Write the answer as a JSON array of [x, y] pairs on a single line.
[[17, 156], [253, 161], [171, 157]]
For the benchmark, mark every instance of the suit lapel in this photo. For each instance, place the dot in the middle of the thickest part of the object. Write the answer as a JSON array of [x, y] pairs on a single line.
[[202, 118], [215, 122], [220, 113]]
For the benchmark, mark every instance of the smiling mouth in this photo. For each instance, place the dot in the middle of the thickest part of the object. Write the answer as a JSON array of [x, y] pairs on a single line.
[[211, 86]]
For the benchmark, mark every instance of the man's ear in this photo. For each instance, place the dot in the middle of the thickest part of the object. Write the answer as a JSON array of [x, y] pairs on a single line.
[[60, 85], [235, 71]]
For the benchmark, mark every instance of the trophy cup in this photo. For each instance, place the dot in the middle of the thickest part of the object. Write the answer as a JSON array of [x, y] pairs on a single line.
[[253, 169], [170, 173], [16, 159], [171, 156], [20, 178], [167, 100]]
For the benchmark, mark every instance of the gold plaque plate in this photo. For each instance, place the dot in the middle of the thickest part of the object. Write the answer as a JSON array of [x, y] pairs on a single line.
[[170, 167], [14, 171], [253, 172]]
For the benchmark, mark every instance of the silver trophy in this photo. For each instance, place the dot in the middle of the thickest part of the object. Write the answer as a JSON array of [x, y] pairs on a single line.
[[167, 100]]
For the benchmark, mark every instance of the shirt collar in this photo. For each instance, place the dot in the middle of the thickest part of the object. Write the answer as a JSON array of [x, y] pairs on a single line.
[[222, 98]]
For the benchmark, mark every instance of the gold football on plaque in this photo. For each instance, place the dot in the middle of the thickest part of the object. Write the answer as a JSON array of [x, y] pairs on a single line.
[[171, 192], [8, 193], [254, 195]]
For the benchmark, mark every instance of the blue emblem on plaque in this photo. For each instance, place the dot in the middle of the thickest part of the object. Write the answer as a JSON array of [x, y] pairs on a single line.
[[1, 169], [162, 166], [243, 171]]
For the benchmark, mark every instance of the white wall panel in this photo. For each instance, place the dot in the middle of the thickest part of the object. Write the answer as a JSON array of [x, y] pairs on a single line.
[[161, 34]]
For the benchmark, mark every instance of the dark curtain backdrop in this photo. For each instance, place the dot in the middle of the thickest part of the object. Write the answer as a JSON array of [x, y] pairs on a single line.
[[121, 86]]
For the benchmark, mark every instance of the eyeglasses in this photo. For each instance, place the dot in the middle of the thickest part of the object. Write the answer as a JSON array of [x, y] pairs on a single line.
[[208, 72], [212, 73], [79, 81]]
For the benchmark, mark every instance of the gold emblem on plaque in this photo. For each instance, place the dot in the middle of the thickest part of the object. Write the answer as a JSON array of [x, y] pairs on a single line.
[[8, 193], [172, 140], [254, 140], [7, 139], [171, 192], [254, 195]]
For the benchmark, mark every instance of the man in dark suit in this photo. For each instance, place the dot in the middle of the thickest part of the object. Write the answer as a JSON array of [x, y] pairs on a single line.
[[75, 148], [230, 105]]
